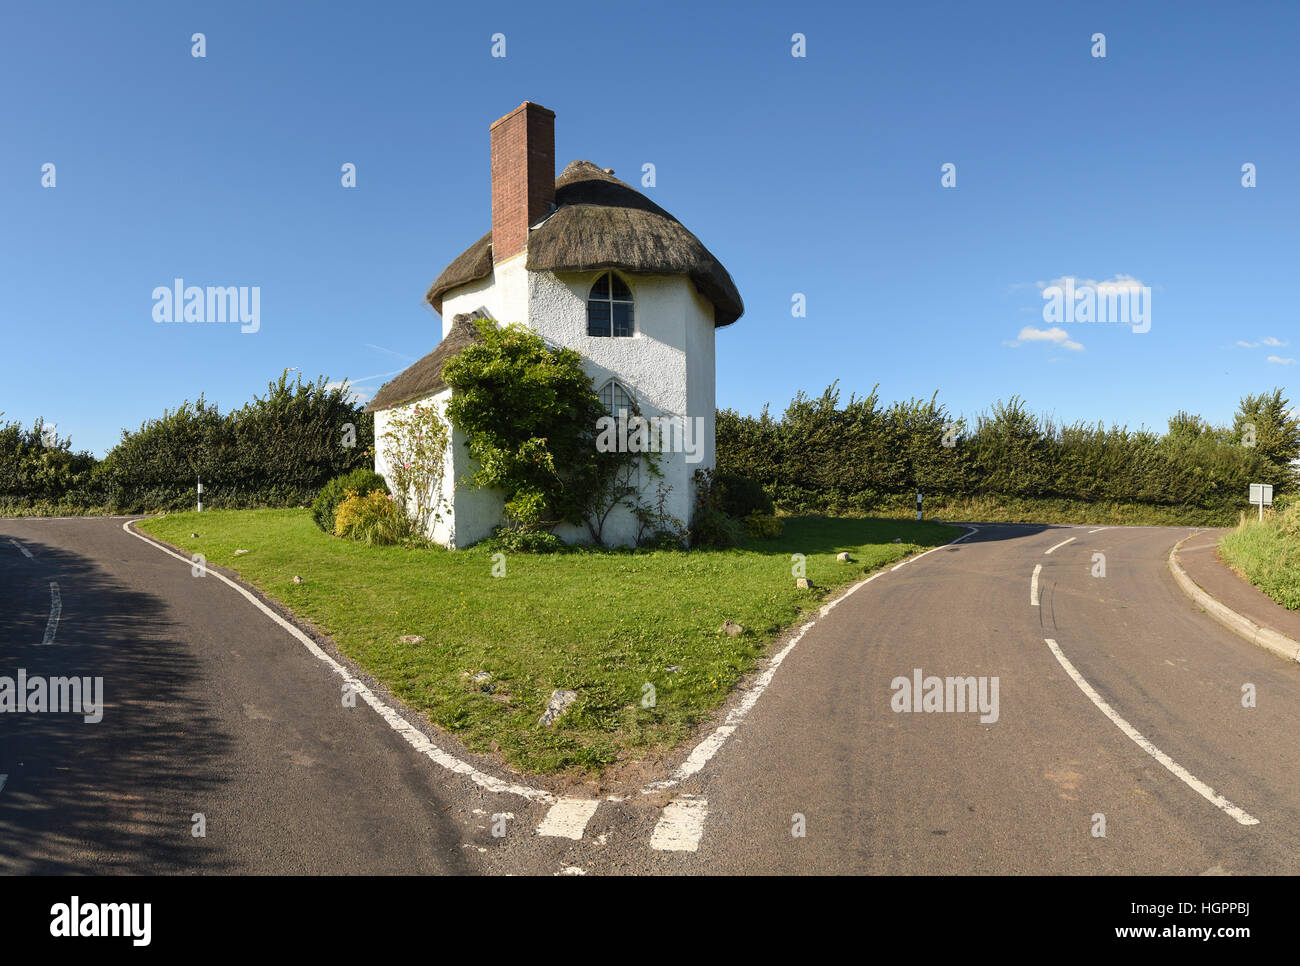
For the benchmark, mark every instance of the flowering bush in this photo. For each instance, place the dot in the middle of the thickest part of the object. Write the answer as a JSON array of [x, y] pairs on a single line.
[[415, 448], [371, 519]]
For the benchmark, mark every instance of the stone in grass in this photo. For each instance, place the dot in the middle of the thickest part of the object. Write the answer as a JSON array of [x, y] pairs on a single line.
[[298, 580], [674, 669], [238, 552], [731, 629], [194, 536], [843, 556], [412, 639], [803, 583], [559, 703], [482, 677], [898, 540]]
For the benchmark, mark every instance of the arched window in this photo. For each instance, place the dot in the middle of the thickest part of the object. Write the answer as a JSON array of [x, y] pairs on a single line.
[[615, 398], [609, 307]]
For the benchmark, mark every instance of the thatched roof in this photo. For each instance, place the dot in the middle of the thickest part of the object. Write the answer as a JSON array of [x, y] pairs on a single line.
[[600, 222], [423, 378]]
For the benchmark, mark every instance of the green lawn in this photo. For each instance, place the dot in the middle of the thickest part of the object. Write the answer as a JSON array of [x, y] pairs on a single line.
[[603, 624], [1268, 554]]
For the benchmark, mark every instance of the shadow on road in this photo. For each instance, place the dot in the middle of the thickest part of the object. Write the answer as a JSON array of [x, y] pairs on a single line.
[[116, 796]]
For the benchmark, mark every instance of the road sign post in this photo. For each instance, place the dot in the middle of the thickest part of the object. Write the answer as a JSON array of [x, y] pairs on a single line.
[[918, 504], [1261, 493]]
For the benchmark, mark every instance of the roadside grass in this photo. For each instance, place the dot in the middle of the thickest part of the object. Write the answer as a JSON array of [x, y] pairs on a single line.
[[605, 624], [998, 509], [1268, 554]]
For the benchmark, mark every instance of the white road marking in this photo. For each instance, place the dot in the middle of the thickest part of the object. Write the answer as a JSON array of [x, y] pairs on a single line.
[[1062, 544], [56, 611], [414, 737], [3, 779], [572, 870], [1033, 585], [706, 749], [1178, 771], [681, 825], [26, 553], [568, 818], [1099, 529]]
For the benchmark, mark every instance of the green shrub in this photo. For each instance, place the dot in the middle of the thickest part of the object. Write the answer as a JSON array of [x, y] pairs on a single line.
[[764, 526], [739, 496], [372, 519], [363, 481], [514, 539], [710, 526]]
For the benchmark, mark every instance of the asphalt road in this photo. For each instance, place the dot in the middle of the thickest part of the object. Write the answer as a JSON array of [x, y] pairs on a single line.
[[213, 708]]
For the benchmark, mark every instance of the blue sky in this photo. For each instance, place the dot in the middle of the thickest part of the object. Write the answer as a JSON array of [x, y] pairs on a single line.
[[818, 175]]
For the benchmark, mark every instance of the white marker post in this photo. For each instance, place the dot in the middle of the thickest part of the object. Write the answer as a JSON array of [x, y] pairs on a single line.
[[1261, 493], [918, 504], [200, 490]]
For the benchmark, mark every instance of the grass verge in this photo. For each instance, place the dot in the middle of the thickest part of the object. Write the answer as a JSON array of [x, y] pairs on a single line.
[[603, 623], [1268, 554]]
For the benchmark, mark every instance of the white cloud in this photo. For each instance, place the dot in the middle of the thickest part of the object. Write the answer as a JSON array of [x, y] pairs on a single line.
[[358, 394], [1269, 340], [1055, 335], [1280, 361], [1248, 345]]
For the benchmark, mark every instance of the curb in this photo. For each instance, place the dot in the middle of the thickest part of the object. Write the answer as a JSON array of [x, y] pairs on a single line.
[[1245, 628]]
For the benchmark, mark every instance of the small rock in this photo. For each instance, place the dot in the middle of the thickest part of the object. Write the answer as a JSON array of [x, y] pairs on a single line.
[[803, 583], [194, 536], [559, 703], [297, 579], [238, 552], [482, 677], [674, 669], [842, 557], [898, 540], [412, 639], [731, 629]]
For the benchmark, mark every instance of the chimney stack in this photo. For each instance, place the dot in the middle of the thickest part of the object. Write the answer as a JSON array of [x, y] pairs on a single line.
[[523, 176]]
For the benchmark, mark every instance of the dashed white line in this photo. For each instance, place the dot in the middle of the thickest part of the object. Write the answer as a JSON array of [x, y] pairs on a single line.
[[1099, 529], [26, 553], [681, 825], [1062, 544], [1178, 771], [1033, 585], [568, 818], [56, 611]]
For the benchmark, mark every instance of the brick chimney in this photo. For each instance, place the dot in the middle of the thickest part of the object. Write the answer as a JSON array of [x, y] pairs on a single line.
[[523, 176]]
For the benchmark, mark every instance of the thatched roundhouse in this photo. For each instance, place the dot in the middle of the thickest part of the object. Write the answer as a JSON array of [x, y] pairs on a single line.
[[590, 263]]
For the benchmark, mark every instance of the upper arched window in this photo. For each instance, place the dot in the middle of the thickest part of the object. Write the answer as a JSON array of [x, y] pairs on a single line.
[[616, 398], [609, 307]]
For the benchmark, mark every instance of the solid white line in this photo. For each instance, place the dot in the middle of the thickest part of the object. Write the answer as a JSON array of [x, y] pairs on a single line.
[[681, 825], [1099, 529], [568, 818], [1033, 585], [1179, 772], [414, 737], [56, 611], [1061, 544], [706, 749], [26, 553]]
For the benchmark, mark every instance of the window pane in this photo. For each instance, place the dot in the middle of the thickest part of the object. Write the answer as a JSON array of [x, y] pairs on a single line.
[[607, 397], [622, 318], [621, 291], [597, 318], [601, 289], [621, 398]]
